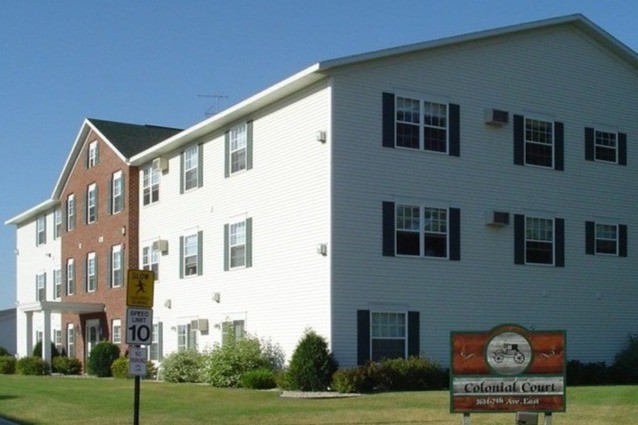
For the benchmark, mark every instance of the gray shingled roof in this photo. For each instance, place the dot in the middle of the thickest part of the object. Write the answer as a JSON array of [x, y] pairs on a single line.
[[131, 139]]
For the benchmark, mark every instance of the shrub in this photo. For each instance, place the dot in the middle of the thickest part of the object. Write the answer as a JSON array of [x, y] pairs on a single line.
[[32, 366], [258, 379], [594, 373], [624, 370], [356, 379], [37, 350], [7, 365], [120, 369], [101, 358], [411, 374], [66, 365], [183, 366], [4, 351], [225, 365], [312, 365]]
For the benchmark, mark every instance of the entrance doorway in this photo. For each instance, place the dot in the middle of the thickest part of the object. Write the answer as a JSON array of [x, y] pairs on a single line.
[[92, 336]]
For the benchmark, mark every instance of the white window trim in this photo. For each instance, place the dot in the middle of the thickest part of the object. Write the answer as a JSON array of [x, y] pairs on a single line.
[[195, 255], [150, 179], [116, 337], [231, 225], [70, 212], [235, 140], [91, 272], [92, 154], [194, 166], [596, 238], [116, 254], [57, 284], [423, 98], [539, 117], [553, 242], [603, 129], [57, 223], [117, 193], [41, 229], [91, 203], [389, 311], [422, 205]]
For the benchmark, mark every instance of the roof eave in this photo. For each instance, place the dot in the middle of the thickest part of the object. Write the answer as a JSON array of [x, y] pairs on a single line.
[[32, 212], [273, 93]]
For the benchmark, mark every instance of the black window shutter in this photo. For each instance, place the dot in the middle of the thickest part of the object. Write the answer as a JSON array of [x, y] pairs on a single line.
[[622, 148], [181, 172], [388, 120], [227, 154], [519, 140], [519, 239], [226, 248], [589, 144], [559, 148], [455, 234], [200, 165], [249, 242], [109, 269], [455, 129], [249, 145], [622, 240], [181, 257], [590, 238], [414, 341], [109, 196], [200, 253], [363, 336], [559, 249], [388, 229]]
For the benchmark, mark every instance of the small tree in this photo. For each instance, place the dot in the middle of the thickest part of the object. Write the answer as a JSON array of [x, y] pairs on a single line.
[[312, 365], [101, 358]]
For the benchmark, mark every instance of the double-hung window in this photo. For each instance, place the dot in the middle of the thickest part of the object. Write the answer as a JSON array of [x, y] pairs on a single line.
[[539, 240], [238, 138], [186, 338], [538, 142], [605, 145], [155, 349], [421, 230], [41, 287], [91, 272], [91, 203], [116, 331], [387, 333], [70, 340], [238, 148], [238, 244], [150, 260], [92, 155], [117, 192], [116, 274], [191, 254], [604, 238], [57, 223], [419, 123], [150, 185], [70, 212], [192, 162], [41, 230], [70, 276], [57, 283]]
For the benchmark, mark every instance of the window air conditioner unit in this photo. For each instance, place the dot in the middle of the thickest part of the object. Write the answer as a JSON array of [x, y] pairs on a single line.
[[160, 245], [199, 325], [498, 218], [160, 164], [496, 117]]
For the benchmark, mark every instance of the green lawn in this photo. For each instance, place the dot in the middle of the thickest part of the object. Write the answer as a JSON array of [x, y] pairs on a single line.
[[91, 401]]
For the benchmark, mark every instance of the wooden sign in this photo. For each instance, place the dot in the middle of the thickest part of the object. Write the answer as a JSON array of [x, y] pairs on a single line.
[[508, 369]]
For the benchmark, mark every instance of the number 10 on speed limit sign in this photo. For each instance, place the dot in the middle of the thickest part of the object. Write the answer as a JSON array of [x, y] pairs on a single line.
[[139, 326]]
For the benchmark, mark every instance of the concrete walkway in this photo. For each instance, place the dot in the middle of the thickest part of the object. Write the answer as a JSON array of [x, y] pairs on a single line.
[[6, 422]]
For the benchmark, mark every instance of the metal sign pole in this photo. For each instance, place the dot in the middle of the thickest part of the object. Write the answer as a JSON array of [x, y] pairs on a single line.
[[136, 402]]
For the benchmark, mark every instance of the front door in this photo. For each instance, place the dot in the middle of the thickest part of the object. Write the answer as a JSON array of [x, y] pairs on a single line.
[[92, 335]]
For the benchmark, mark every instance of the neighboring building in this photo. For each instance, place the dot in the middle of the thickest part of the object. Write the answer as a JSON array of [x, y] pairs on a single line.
[[88, 241], [8, 330], [388, 198]]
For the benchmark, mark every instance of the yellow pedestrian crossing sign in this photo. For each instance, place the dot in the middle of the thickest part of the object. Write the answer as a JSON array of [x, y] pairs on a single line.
[[139, 288]]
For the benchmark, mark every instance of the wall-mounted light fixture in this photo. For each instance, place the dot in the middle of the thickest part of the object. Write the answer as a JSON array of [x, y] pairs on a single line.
[[322, 249], [321, 136]]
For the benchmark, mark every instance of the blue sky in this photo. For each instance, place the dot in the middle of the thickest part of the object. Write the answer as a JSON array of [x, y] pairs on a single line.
[[149, 62]]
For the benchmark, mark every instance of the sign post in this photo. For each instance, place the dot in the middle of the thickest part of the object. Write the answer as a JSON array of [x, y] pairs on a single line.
[[139, 327], [508, 369]]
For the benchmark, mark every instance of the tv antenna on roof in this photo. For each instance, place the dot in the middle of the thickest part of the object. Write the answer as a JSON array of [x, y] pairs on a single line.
[[215, 108]]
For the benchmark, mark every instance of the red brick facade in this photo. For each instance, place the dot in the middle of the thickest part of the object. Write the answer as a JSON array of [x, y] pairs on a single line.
[[99, 237]]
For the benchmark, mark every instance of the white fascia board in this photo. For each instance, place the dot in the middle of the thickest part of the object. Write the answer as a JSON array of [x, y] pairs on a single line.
[[32, 212], [227, 116]]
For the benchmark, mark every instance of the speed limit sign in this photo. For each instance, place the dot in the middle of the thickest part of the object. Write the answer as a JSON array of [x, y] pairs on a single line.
[[139, 326]]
